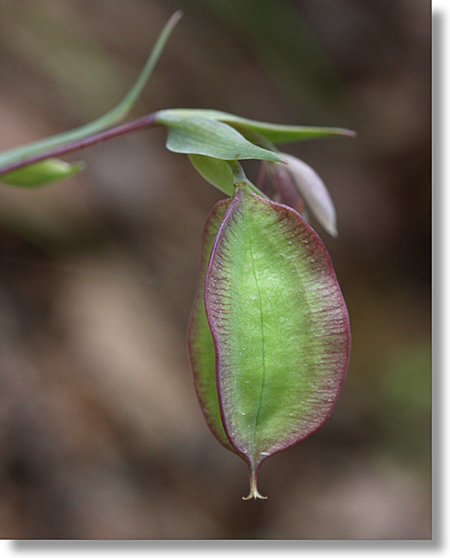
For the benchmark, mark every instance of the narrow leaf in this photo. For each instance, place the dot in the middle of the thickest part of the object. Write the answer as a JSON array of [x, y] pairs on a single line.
[[42, 173], [275, 133], [204, 136], [200, 342], [215, 171], [279, 325]]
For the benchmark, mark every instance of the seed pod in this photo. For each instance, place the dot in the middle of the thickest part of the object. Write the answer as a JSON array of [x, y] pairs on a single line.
[[200, 342], [279, 329]]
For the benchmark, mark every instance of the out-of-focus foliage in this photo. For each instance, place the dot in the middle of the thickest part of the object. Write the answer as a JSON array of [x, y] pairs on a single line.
[[101, 435], [285, 45], [39, 174]]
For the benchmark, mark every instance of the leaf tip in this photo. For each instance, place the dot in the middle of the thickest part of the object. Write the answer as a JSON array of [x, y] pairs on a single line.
[[175, 17], [332, 230]]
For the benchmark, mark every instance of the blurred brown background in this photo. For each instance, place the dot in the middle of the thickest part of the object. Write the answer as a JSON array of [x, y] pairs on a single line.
[[100, 432]]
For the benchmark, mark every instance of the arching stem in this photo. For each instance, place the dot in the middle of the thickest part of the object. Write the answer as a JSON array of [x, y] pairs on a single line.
[[148, 121]]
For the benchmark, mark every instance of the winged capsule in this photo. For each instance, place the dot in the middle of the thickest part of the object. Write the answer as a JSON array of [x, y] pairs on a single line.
[[200, 343], [269, 334]]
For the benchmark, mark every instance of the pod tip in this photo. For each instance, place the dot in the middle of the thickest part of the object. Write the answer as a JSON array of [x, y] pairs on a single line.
[[254, 493]]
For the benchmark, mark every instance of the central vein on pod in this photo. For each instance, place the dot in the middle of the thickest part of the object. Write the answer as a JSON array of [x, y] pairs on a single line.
[[261, 323]]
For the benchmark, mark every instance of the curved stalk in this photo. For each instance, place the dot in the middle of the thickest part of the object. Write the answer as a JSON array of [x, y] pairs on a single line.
[[148, 121]]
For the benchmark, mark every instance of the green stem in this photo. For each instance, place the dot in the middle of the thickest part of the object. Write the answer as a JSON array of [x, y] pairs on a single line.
[[240, 179], [148, 121]]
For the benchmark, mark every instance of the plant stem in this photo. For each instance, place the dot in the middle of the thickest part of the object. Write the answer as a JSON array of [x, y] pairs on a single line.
[[148, 121]]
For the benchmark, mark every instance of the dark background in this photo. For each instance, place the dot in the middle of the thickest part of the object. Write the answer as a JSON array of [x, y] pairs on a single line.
[[100, 432]]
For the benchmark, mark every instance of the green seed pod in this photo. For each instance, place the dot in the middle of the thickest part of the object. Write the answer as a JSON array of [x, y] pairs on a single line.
[[269, 339], [200, 344]]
